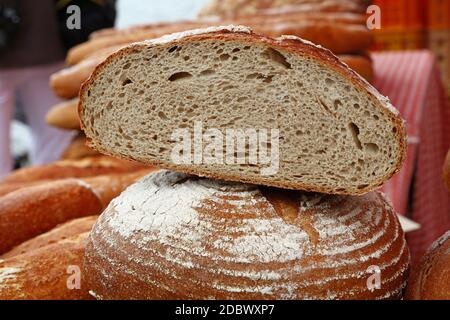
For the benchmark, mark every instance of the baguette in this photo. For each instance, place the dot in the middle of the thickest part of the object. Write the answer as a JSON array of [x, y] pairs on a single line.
[[333, 33], [87, 167], [78, 149], [337, 134], [60, 233], [29, 212], [66, 83], [64, 114], [48, 273]]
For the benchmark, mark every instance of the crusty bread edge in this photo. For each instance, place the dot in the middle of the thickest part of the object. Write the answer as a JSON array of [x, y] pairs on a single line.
[[287, 43]]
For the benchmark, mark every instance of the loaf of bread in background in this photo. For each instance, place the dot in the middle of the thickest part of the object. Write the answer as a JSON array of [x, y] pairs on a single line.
[[64, 114], [173, 236], [48, 273], [86, 167], [59, 233], [78, 149], [333, 33], [233, 8], [362, 64], [31, 211], [431, 279], [447, 170]]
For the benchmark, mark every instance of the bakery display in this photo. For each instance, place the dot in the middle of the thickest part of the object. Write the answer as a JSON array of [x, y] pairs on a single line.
[[173, 236], [431, 279], [234, 156], [285, 83]]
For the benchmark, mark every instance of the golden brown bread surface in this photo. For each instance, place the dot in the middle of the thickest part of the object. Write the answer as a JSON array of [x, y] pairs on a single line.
[[78, 149], [431, 279], [87, 167], [230, 8], [31, 211], [48, 273], [447, 170], [63, 115], [59, 233], [172, 236]]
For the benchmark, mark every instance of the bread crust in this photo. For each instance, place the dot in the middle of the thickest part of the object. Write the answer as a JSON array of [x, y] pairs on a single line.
[[59, 233], [78, 149], [171, 236], [286, 43], [341, 34], [31, 211], [447, 170], [86, 167], [64, 115], [431, 279], [44, 274]]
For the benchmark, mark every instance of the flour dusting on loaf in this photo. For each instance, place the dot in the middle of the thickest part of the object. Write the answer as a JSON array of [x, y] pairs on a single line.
[[176, 236]]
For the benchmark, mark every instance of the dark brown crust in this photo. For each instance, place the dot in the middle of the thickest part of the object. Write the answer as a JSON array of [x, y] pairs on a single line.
[[31, 211], [431, 279], [86, 167], [43, 273], [62, 232], [322, 56], [27, 213]]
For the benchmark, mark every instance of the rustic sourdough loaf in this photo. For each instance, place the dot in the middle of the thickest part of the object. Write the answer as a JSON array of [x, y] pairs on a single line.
[[337, 134], [173, 236]]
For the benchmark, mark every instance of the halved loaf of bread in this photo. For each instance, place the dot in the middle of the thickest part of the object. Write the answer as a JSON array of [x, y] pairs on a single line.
[[336, 133]]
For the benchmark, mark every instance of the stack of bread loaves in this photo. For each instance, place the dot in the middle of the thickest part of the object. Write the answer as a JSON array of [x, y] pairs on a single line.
[[336, 25], [46, 213], [311, 227]]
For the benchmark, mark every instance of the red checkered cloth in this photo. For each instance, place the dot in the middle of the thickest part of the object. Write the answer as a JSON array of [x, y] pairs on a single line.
[[412, 81]]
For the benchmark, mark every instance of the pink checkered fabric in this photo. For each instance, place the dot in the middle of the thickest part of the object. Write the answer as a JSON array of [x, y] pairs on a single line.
[[412, 81]]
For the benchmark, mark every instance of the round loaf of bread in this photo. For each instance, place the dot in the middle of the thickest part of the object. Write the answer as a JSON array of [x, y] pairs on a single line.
[[431, 280], [174, 236]]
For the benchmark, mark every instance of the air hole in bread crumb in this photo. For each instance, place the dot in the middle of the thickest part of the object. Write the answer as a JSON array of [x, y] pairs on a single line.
[[126, 82], [277, 57], [354, 130], [207, 72], [162, 115], [372, 147], [180, 76], [173, 49], [224, 57]]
